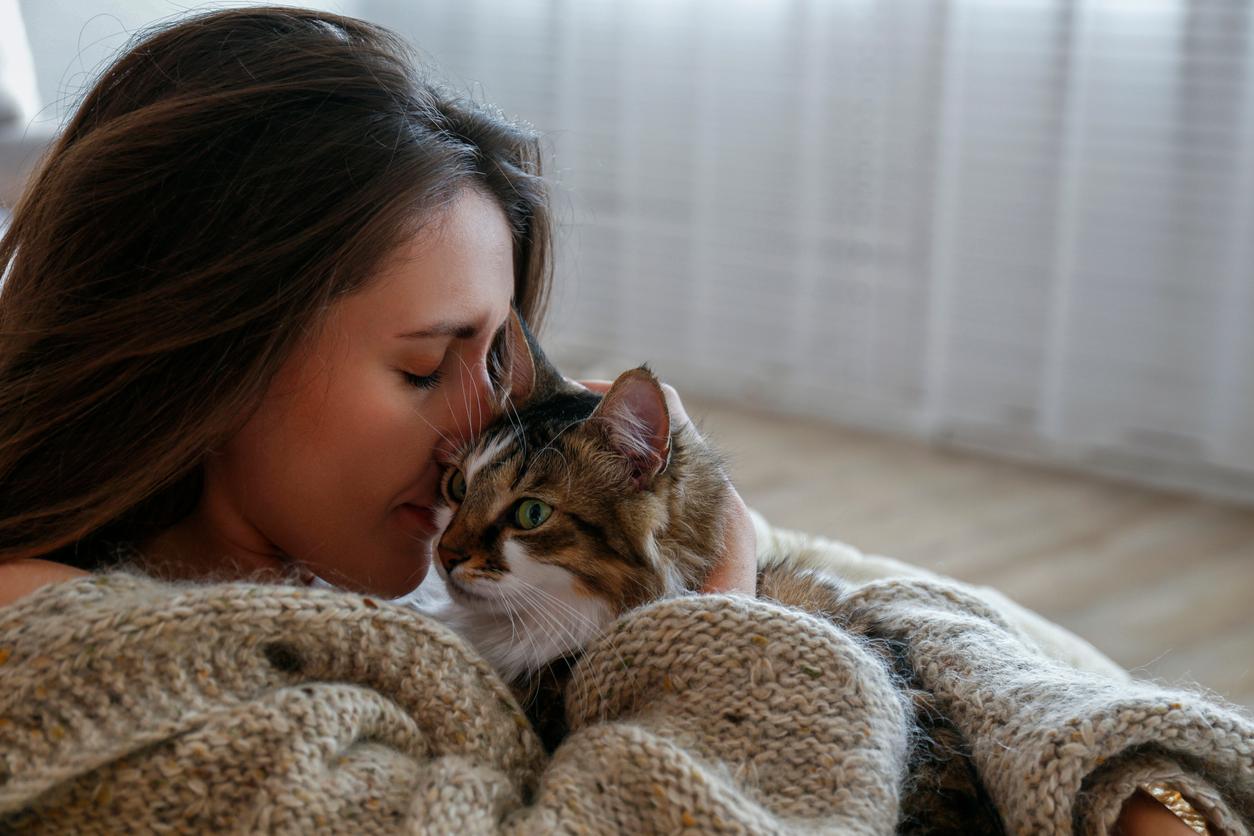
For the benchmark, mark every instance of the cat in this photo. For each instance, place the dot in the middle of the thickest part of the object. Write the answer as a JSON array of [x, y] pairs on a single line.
[[572, 509], [575, 507]]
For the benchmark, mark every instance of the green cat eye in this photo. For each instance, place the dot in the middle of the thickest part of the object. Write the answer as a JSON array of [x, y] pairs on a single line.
[[531, 512], [457, 486]]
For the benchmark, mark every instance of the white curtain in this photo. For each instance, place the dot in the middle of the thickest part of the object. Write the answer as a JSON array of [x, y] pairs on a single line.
[[1025, 226]]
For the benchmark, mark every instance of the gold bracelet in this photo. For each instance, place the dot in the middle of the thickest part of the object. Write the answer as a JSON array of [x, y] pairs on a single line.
[[1176, 803]]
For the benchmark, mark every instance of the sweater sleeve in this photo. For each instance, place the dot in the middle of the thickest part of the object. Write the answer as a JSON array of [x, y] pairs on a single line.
[[1060, 749], [717, 714], [130, 705], [127, 705]]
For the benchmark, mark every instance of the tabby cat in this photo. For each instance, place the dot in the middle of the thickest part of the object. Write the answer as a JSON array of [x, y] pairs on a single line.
[[574, 508]]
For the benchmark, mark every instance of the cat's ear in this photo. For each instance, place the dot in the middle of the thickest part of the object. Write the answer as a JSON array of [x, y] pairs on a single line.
[[520, 369], [635, 414], [527, 373]]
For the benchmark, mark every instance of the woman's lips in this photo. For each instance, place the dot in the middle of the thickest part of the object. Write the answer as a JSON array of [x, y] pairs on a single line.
[[419, 519]]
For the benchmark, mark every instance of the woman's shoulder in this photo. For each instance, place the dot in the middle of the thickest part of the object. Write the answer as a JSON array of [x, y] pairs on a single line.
[[19, 578]]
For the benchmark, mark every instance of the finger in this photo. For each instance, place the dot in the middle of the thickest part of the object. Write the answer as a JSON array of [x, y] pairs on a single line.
[[679, 415]]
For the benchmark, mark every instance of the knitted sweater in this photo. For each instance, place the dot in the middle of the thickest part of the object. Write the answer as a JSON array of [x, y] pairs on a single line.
[[128, 704]]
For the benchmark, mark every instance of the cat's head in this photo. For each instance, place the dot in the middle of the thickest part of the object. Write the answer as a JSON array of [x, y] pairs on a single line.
[[556, 508]]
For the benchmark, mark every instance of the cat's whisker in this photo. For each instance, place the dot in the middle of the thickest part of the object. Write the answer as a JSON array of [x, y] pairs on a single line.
[[509, 613], [515, 420], [515, 637], [537, 609], [544, 593], [532, 638], [510, 413], [560, 455], [533, 609], [464, 447], [536, 596], [438, 431], [527, 589], [465, 402], [475, 392], [598, 630]]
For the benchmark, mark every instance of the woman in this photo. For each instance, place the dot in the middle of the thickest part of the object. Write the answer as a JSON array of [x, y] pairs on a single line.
[[253, 294]]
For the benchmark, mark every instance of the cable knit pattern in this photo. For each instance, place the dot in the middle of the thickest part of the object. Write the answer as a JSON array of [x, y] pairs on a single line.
[[129, 705]]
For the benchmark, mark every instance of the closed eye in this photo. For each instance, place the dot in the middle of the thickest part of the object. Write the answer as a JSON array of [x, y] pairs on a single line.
[[429, 381]]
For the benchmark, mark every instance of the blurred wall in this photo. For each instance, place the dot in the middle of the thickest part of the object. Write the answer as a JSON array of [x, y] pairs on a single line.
[[1019, 225]]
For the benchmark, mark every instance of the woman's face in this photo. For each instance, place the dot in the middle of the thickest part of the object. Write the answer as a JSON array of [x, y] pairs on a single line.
[[336, 471]]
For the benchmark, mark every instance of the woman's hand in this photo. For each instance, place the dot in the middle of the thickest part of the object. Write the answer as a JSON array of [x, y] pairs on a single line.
[[737, 567]]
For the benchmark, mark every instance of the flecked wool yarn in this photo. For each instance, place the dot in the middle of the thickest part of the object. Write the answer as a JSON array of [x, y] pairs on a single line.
[[132, 705]]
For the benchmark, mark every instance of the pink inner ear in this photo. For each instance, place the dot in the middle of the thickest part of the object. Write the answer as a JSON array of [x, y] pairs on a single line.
[[635, 409], [522, 370]]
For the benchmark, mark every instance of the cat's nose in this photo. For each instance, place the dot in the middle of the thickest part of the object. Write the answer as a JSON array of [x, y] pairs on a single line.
[[450, 559]]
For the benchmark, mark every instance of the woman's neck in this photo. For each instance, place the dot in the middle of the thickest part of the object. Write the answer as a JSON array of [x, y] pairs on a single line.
[[200, 547]]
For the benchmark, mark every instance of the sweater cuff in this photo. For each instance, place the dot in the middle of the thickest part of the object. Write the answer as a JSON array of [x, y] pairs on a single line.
[[1106, 789]]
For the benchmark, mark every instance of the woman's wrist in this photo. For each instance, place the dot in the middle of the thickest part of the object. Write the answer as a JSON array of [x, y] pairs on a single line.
[[1143, 814]]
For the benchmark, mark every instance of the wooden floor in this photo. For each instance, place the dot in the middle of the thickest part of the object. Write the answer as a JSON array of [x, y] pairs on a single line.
[[1163, 583]]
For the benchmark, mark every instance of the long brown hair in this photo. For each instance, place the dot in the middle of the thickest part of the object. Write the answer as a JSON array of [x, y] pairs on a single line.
[[225, 180]]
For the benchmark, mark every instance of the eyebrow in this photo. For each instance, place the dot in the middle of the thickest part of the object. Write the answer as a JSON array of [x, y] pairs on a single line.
[[461, 331]]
